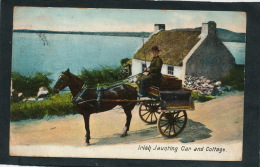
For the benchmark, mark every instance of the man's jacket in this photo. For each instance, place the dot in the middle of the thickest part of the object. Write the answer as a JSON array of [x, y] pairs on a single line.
[[155, 68]]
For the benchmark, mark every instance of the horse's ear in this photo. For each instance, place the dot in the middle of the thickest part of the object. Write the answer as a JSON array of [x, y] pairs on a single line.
[[67, 71]]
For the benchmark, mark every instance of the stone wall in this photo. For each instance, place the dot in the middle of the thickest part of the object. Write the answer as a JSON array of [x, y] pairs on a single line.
[[205, 86]]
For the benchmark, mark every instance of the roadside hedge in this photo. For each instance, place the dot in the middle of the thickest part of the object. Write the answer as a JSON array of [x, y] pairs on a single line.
[[103, 76], [235, 78], [29, 85], [58, 105]]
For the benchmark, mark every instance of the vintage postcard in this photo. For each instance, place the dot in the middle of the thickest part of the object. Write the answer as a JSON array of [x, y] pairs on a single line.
[[127, 83]]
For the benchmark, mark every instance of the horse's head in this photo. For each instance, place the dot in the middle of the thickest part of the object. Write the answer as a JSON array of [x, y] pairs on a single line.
[[62, 82]]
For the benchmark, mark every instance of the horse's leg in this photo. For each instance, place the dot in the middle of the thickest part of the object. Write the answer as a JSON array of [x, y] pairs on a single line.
[[86, 119], [128, 112]]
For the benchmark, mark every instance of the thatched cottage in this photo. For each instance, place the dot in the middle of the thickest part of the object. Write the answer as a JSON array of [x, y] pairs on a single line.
[[195, 52]]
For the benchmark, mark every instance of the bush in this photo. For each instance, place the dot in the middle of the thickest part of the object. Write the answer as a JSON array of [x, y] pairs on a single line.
[[235, 78], [29, 85], [104, 76], [123, 61], [199, 97], [54, 106]]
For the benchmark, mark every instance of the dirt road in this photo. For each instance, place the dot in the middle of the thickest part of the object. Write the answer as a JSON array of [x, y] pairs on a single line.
[[216, 121]]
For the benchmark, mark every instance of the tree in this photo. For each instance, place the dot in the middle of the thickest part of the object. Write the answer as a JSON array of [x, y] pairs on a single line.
[[29, 85], [123, 61]]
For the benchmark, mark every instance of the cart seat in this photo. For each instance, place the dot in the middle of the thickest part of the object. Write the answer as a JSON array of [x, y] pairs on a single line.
[[167, 83]]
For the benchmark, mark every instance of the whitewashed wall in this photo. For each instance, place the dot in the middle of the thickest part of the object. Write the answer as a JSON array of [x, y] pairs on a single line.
[[178, 72], [137, 68]]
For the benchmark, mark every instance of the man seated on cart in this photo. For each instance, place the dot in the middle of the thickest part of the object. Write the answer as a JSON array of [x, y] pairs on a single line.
[[154, 72]]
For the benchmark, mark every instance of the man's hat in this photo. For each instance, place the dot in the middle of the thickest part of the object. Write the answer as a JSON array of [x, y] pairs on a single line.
[[155, 48]]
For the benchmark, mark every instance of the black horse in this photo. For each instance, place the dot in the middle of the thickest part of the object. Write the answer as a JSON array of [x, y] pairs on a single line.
[[93, 102]]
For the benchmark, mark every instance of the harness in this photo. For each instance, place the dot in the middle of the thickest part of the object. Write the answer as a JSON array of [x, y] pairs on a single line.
[[78, 99], [100, 95]]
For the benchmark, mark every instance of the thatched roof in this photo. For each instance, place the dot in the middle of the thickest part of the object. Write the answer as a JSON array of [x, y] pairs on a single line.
[[174, 46], [127, 63]]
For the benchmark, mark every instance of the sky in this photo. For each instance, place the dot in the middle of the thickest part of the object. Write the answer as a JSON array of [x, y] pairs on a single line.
[[121, 20]]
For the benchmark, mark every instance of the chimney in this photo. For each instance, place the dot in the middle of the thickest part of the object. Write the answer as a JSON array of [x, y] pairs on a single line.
[[159, 27], [208, 29]]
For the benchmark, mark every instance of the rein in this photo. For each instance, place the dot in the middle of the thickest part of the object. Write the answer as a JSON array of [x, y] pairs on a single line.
[[100, 92], [116, 83], [78, 98], [84, 88]]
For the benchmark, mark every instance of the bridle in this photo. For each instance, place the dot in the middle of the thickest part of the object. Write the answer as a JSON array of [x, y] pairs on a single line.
[[62, 82]]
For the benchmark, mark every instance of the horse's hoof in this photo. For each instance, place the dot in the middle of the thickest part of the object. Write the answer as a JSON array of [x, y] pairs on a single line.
[[123, 135], [87, 144]]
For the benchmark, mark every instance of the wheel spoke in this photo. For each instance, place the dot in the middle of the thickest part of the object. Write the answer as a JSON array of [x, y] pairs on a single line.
[[173, 129], [164, 124], [145, 113], [155, 116], [148, 116], [177, 115], [178, 126], [170, 130], [180, 121], [180, 117], [164, 120], [172, 124], [166, 129]]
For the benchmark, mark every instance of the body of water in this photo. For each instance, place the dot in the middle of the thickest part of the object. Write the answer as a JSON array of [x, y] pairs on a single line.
[[237, 50], [54, 53]]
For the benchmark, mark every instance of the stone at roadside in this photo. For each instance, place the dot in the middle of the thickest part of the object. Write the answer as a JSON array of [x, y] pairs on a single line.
[[205, 86], [41, 99], [215, 91], [31, 99], [224, 88], [43, 92], [218, 83]]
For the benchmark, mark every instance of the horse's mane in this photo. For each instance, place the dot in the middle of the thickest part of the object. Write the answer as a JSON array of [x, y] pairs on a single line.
[[76, 77]]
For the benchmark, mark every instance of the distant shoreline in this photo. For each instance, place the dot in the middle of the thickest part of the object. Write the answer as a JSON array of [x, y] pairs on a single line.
[[224, 35], [128, 34]]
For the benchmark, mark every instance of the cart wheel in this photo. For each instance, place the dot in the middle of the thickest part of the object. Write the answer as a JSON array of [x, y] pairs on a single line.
[[148, 112], [172, 124]]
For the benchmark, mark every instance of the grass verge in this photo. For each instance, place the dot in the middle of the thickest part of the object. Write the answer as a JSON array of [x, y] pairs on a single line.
[[200, 98], [58, 105]]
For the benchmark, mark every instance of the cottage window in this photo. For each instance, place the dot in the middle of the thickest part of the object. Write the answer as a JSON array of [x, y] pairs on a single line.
[[170, 70]]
